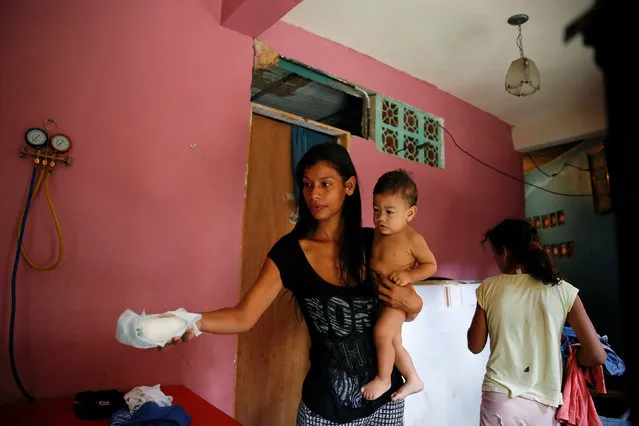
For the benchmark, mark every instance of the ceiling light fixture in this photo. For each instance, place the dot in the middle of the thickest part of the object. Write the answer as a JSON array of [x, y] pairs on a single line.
[[522, 78]]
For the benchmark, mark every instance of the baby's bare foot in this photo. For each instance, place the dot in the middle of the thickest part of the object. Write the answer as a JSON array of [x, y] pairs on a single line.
[[375, 388], [413, 385]]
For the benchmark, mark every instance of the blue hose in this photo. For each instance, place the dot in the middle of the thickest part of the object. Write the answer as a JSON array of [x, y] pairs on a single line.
[[14, 370]]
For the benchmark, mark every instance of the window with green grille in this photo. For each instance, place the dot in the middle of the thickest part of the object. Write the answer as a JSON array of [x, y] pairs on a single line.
[[407, 132]]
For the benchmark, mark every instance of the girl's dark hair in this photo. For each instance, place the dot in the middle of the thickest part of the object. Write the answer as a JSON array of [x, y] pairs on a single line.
[[351, 243], [522, 242]]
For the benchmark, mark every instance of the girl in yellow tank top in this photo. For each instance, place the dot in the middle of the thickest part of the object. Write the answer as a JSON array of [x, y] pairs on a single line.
[[523, 311]]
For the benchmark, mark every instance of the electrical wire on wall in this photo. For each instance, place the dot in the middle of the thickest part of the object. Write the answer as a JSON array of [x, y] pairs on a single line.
[[552, 175], [508, 175]]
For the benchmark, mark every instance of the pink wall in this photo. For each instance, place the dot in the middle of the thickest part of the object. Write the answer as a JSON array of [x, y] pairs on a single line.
[[456, 205], [151, 223]]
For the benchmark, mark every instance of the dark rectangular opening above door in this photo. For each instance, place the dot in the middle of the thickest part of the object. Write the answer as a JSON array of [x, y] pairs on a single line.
[[298, 89]]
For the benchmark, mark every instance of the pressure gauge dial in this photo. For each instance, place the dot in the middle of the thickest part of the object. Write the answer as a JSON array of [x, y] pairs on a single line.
[[36, 138], [60, 143]]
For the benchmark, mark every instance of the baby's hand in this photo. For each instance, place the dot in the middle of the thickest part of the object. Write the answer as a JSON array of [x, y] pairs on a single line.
[[401, 278]]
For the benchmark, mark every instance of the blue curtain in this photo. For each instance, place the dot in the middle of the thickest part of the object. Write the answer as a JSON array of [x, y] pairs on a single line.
[[302, 139]]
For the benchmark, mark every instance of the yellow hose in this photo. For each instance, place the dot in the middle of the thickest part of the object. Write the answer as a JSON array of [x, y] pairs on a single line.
[[44, 176]]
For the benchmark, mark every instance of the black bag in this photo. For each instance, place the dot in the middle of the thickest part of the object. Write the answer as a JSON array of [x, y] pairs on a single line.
[[95, 405]]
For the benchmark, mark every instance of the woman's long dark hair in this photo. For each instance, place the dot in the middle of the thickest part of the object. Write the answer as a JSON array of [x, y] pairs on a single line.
[[351, 243], [522, 242]]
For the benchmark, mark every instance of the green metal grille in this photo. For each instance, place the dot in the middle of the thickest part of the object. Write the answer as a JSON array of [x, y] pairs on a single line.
[[407, 132]]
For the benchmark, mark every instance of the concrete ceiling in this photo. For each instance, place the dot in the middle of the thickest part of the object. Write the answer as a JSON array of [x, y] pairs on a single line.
[[464, 47]]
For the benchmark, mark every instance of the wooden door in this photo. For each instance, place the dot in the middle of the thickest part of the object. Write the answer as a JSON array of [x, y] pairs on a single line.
[[272, 358]]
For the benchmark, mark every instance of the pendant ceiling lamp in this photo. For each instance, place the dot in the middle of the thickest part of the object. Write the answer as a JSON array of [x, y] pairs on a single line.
[[522, 78]]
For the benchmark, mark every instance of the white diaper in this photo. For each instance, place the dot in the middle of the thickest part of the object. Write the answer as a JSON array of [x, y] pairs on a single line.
[[151, 331]]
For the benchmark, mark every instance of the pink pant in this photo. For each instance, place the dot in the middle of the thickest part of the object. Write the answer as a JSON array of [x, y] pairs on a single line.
[[497, 409]]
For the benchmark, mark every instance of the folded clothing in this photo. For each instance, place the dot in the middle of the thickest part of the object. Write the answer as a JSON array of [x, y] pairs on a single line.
[[140, 395], [152, 331], [151, 414]]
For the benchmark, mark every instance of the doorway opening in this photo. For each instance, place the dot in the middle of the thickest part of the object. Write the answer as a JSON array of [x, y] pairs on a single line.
[[267, 388]]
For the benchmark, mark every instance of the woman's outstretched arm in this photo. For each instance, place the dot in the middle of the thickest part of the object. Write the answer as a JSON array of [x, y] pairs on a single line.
[[247, 312]]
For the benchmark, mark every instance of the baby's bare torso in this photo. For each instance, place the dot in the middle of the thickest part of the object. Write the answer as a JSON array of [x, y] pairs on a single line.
[[393, 253]]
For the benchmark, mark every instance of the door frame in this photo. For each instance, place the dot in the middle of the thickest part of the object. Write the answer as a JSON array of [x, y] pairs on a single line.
[[343, 137]]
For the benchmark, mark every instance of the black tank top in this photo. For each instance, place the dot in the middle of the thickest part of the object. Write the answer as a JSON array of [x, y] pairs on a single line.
[[340, 322]]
